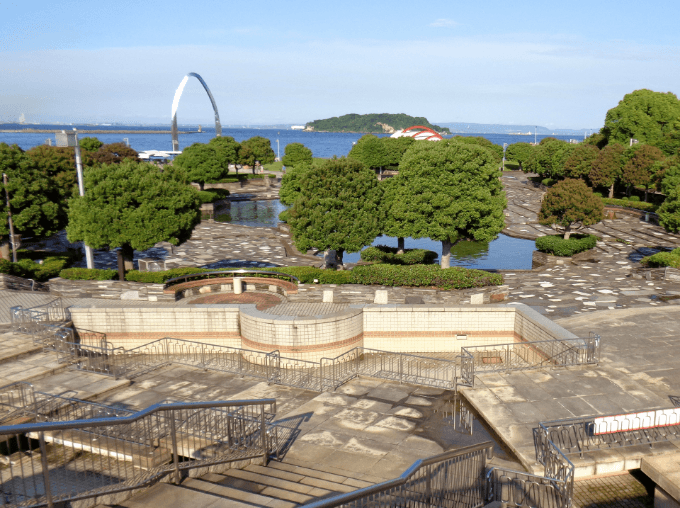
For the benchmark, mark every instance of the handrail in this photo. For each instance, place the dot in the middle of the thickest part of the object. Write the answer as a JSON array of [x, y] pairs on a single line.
[[401, 479], [221, 272], [104, 422]]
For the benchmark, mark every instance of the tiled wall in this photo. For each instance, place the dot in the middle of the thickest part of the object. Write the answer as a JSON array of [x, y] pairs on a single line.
[[429, 329], [303, 338], [133, 326]]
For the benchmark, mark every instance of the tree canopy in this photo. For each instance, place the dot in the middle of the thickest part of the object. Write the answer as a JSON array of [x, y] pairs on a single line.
[[607, 167], [670, 175], [295, 154], [337, 208], [669, 211], [643, 115], [200, 163], [59, 165], [549, 157], [447, 192], [580, 161], [568, 203], [90, 144], [497, 150], [639, 168], [254, 149], [34, 212], [113, 153], [226, 150], [519, 152], [132, 205]]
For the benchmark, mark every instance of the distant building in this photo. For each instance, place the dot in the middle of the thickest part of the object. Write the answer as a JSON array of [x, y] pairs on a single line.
[[297, 127]]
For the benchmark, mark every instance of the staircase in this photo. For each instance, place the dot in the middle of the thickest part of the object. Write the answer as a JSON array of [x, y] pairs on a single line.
[[280, 484]]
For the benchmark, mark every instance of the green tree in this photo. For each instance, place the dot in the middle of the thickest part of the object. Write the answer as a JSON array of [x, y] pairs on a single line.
[[639, 168], [200, 163], [549, 157], [448, 192], [226, 150], [669, 211], [643, 115], [669, 144], [113, 153], [254, 149], [133, 206], [34, 213], [295, 154], [670, 175], [607, 167], [392, 188], [580, 161], [568, 204], [90, 144], [290, 188], [497, 150], [519, 152], [59, 165], [396, 148], [337, 208], [596, 139]]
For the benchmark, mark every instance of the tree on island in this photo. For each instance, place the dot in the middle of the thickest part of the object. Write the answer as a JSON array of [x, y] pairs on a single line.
[[580, 161], [448, 192], [570, 204], [200, 163], [607, 167], [296, 154], [258, 149], [133, 206], [34, 212], [643, 115], [640, 168], [337, 208]]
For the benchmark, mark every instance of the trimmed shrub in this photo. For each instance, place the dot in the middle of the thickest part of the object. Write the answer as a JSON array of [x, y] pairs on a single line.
[[424, 275], [661, 259], [634, 198], [88, 274], [385, 254], [28, 268], [638, 205], [212, 195], [558, 246], [548, 182]]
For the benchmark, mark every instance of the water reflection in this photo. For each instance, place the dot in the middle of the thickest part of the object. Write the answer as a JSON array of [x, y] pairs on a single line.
[[260, 213]]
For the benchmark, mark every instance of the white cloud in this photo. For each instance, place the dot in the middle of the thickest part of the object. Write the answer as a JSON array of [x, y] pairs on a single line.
[[442, 22]]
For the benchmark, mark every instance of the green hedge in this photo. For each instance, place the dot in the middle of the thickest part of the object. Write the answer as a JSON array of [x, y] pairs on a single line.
[[28, 267], [88, 274], [212, 195], [383, 274], [629, 203], [558, 246], [424, 275], [385, 254], [661, 259]]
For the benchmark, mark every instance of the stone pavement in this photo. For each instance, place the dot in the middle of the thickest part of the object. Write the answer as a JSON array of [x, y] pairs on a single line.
[[621, 490], [640, 369]]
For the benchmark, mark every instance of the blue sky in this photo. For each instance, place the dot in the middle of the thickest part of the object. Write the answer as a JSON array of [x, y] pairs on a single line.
[[544, 63]]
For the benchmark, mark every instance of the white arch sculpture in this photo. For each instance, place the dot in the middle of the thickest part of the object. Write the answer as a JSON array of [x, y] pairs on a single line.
[[175, 104]]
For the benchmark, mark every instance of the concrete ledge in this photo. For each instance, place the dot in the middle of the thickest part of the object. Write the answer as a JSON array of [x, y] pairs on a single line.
[[664, 470]]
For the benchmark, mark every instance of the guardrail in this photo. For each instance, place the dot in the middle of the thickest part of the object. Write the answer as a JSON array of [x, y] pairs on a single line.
[[223, 273], [528, 355], [15, 400], [524, 490], [79, 459]]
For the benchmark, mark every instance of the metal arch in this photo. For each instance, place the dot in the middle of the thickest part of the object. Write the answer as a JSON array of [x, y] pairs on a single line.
[[175, 104], [435, 134]]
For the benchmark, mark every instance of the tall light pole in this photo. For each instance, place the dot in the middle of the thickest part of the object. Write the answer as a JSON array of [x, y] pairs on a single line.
[[505, 147], [12, 238], [278, 152], [71, 139]]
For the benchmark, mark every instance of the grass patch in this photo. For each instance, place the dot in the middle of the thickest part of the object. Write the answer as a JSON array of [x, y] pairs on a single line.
[[558, 246]]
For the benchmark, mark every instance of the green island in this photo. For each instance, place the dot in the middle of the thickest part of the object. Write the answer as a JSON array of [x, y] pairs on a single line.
[[372, 123]]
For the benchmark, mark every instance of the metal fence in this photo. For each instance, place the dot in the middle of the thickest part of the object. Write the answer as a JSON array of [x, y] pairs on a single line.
[[523, 490], [512, 356], [16, 400], [585, 434], [57, 461]]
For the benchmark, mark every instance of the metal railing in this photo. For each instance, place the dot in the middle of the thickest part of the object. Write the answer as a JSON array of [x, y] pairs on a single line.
[[32, 321], [585, 434], [78, 459], [528, 355], [524, 490], [452, 479], [16, 399], [227, 273], [21, 284]]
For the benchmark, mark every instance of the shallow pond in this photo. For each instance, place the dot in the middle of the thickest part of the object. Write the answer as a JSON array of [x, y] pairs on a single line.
[[503, 253]]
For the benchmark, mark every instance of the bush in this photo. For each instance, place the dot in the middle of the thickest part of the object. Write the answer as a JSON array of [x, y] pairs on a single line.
[[548, 182], [28, 268], [424, 275], [558, 246], [212, 195], [638, 205], [385, 254], [661, 259], [634, 198], [598, 194], [88, 274]]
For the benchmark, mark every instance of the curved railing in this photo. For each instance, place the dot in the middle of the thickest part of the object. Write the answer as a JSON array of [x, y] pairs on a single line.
[[89, 457], [206, 275]]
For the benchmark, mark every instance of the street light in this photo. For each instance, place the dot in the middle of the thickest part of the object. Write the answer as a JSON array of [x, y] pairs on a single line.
[[71, 139], [505, 147], [278, 152]]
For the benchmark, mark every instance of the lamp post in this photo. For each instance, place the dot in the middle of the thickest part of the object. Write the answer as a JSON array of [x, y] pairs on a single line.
[[71, 139], [505, 147], [278, 152]]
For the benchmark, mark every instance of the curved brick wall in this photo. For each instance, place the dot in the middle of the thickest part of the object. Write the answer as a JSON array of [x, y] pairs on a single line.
[[303, 338]]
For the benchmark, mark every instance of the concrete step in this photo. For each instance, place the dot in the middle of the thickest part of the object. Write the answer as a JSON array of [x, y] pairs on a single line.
[[235, 495], [166, 495]]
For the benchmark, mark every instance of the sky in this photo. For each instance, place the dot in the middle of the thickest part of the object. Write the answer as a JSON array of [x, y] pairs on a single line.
[[554, 64]]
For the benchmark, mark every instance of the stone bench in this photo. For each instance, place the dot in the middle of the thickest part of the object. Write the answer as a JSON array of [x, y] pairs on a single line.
[[226, 284]]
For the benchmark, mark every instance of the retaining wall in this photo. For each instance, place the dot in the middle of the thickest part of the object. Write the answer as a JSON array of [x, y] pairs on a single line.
[[109, 289]]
